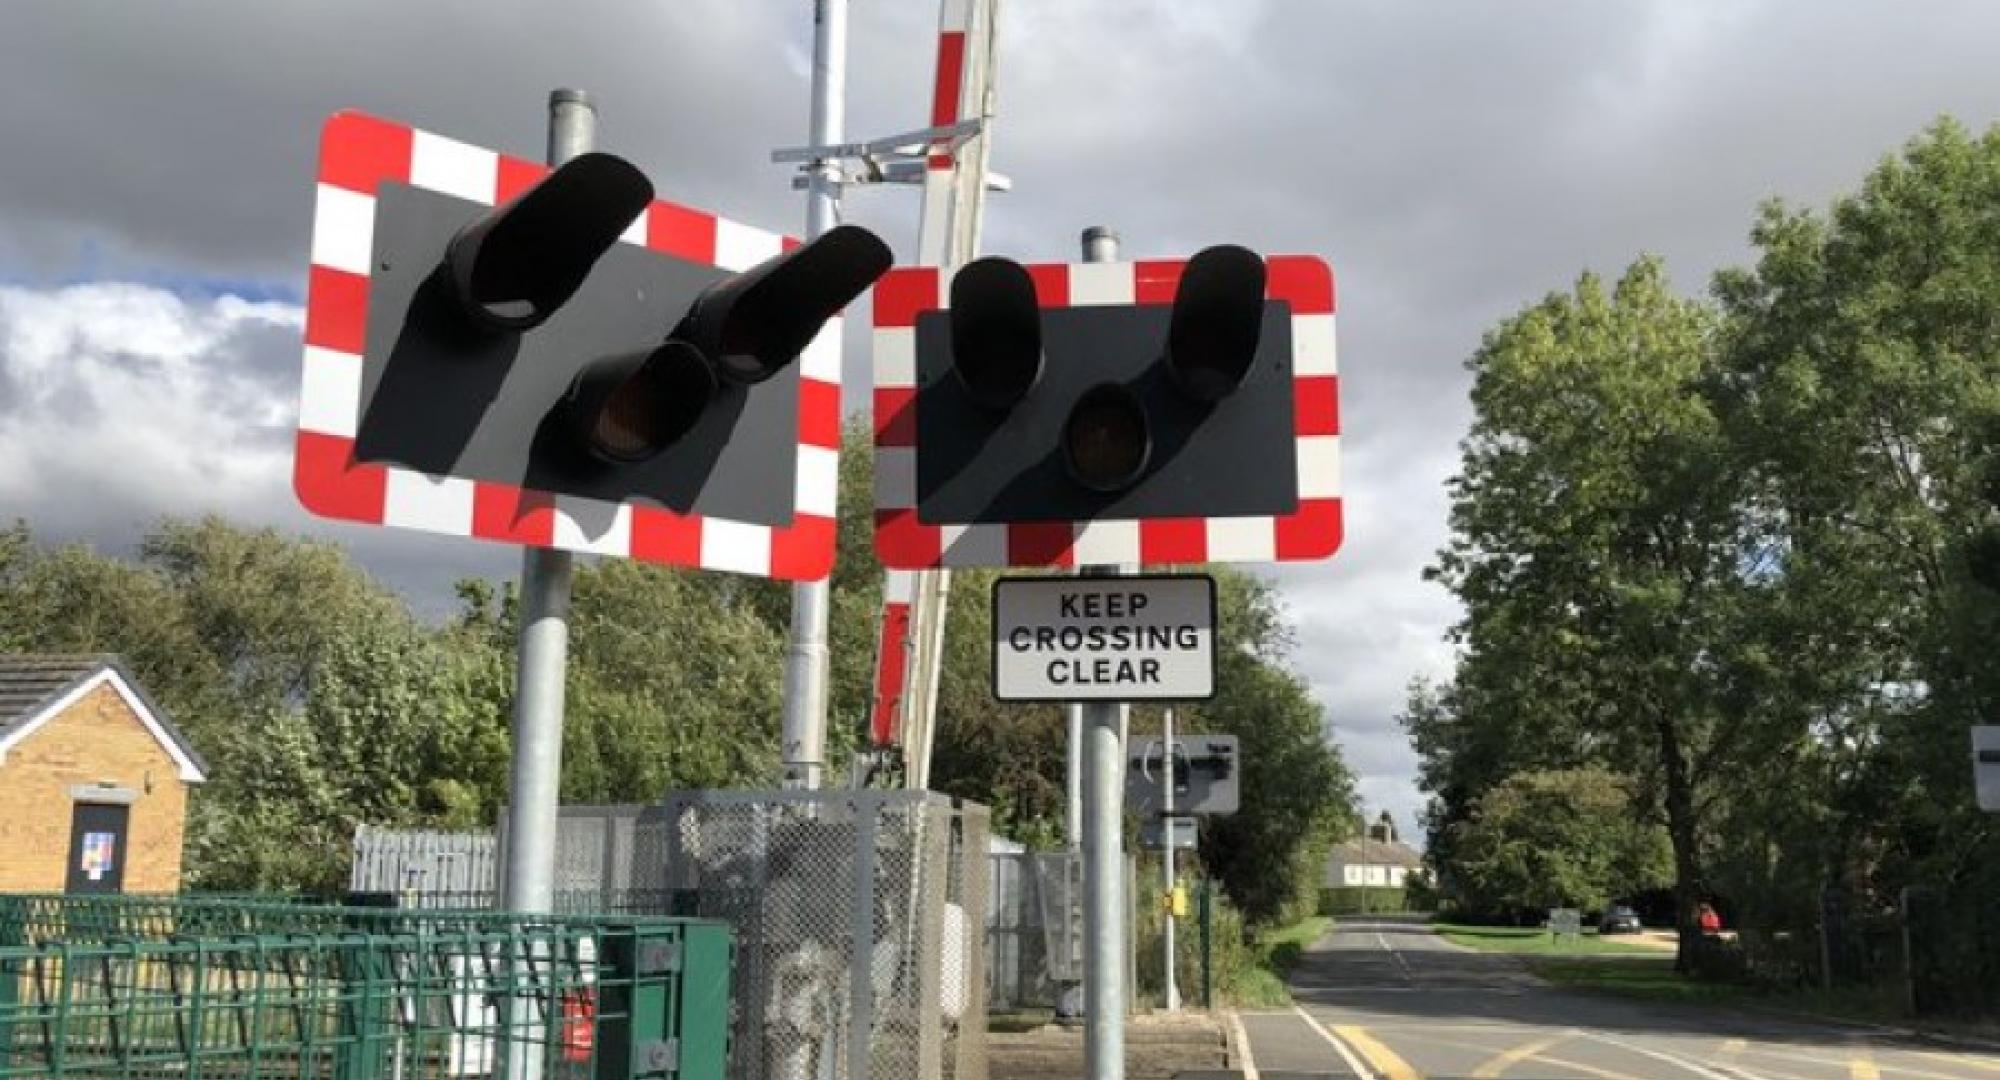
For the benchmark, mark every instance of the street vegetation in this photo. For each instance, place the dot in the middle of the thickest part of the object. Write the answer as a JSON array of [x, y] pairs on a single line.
[[322, 700], [1730, 568]]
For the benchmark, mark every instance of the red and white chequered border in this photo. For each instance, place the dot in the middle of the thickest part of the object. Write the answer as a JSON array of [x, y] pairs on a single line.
[[1313, 531], [357, 154]]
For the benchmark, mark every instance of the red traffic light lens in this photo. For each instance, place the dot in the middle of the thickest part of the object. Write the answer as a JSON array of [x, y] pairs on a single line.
[[650, 411], [1106, 441]]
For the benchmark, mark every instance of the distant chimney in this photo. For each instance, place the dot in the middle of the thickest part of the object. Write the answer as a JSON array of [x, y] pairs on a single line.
[[1384, 829]]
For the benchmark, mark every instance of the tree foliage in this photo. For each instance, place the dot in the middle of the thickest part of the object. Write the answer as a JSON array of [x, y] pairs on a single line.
[[1557, 838], [1732, 551], [322, 702]]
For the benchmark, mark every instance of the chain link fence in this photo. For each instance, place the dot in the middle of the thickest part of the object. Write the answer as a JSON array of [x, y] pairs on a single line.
[[861, 916], [860, 919]]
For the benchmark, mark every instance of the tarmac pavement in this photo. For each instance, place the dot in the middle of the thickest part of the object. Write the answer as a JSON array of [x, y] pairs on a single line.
[[1389, 999]]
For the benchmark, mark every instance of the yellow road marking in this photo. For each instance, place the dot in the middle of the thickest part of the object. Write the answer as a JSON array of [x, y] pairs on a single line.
[[1861, 1063], [1383, 1059], [1354, 1064], [1498, 1064]]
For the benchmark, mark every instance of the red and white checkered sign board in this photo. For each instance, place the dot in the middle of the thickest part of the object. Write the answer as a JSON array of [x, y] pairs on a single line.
[[1311, 532], [357, 154]]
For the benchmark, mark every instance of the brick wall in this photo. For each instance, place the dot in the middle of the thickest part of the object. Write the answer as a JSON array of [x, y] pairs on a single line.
[[97, 739]]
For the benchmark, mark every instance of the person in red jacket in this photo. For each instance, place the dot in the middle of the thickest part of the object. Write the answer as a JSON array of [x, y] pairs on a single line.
[[1711, 923]]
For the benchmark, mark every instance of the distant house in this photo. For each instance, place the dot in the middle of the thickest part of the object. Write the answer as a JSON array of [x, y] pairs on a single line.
[[94, 779], [1376, 861]]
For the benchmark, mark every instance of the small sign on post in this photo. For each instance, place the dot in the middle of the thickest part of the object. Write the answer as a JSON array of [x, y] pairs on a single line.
[[1184, 832], [1986, 766], [1565, 923], [1146, 638], [1206, 771]]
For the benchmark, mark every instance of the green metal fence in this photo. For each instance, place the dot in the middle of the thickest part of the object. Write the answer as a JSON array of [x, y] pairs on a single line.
[[28, 918], [158, 987]]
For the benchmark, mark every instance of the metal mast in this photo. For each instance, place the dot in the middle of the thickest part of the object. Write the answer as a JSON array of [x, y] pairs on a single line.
[[910, 647]]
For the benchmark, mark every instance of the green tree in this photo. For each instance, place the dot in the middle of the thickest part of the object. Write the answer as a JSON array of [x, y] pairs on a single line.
[[1557, 838], [1600, 549], [1862, 379]]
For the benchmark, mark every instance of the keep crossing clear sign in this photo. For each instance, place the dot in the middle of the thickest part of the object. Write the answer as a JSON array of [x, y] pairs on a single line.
[[1143, 638]]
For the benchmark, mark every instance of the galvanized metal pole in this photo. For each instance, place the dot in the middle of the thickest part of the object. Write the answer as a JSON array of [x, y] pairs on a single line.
[[1167, 853], [804, 734], [528, 877], [1073, 778], [1104, 910]]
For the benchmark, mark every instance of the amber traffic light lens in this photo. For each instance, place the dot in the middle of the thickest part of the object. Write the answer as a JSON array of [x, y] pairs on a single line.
[[1106, 440], [654, 408]]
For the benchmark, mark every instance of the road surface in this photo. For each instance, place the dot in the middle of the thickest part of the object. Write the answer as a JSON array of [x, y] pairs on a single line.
[[1393, 1001]]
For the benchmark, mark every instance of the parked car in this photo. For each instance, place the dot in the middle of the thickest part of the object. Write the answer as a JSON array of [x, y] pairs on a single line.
[[1619, 920]]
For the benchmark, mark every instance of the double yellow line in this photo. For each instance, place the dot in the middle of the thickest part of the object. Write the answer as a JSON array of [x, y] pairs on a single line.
[[1382, 1059], [1372, 1054]]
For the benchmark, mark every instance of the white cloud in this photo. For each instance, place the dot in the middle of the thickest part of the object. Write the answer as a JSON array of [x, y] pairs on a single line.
[[121, 404], [125, 402]]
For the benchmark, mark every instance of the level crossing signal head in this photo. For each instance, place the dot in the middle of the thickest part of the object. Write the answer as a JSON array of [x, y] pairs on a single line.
[[554, 357], [1041, 403]]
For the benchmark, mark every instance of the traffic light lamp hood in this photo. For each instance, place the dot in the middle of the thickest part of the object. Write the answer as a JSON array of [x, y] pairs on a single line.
[[512, 268], [1217, 321], [996, 332], [751, 326]]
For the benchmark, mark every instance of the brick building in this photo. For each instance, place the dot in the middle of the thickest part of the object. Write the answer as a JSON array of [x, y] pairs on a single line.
[[94, 779]]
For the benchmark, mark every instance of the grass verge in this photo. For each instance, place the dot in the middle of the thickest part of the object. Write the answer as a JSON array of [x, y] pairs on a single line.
[[1276, 952], [1536, 942], [1652, 978], [1283, 945]]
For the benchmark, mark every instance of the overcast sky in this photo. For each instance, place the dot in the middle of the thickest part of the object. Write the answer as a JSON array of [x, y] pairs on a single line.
[[1453, 160]]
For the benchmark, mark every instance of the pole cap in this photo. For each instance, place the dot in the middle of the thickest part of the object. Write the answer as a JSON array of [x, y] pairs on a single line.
[[567, 95]]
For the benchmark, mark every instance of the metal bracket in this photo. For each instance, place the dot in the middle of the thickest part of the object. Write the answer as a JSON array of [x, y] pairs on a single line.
[[657, 958], [892, 159], [909, 144], [898, 172], [659, 1055]]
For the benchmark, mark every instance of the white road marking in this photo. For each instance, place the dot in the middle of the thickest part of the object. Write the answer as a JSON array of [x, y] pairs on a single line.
[[1353, 1063], [1675, 1060], [1397, 955], [1242, 1038]]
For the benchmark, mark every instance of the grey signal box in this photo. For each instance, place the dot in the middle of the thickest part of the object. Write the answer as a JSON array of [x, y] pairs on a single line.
[[1206, 772]]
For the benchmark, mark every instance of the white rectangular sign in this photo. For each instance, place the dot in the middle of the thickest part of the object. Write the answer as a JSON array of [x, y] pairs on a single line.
[[1143, 638], [1986, 766]]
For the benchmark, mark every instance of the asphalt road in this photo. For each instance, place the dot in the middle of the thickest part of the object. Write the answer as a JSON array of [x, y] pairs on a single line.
[[1391, 1000]]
